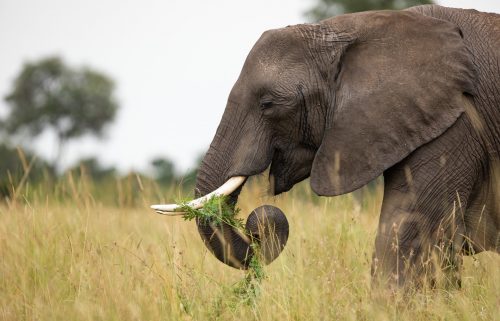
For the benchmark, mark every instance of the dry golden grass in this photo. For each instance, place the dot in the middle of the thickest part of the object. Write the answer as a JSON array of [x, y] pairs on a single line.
[[71, 258]]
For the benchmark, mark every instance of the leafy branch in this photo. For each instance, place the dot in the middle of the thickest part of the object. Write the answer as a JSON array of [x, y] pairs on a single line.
[[217, 210]]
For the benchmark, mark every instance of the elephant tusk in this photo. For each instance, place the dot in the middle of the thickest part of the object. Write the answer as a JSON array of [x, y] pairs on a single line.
[[227, 188]]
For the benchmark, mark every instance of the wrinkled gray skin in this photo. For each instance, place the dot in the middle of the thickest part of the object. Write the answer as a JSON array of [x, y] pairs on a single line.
[[413, 95]]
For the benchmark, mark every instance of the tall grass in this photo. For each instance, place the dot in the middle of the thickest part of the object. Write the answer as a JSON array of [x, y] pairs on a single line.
[[74, 251]]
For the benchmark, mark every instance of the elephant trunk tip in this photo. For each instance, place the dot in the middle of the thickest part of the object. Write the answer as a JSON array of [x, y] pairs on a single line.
[[269, 227]]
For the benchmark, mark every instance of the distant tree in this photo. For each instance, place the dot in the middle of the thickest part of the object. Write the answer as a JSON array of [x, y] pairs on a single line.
[[92, 167], [47, 94], [164, 170], [329, 8]]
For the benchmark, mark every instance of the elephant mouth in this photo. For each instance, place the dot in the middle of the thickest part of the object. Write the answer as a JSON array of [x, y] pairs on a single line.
[[288, 169]]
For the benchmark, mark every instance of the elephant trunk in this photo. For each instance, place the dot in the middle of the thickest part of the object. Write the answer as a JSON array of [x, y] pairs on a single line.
[[229, 245], [266, 225]]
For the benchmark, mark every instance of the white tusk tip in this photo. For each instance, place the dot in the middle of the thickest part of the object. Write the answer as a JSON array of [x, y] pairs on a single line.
[[169, 213], [165, 207]]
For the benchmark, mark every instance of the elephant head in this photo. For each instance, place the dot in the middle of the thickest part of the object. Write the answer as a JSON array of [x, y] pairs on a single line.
[[340, 102]]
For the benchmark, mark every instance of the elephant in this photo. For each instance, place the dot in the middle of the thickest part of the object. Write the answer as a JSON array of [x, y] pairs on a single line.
[[413, 95]]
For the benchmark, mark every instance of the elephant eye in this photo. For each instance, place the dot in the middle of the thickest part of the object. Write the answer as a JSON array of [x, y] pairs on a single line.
[[266, 104]]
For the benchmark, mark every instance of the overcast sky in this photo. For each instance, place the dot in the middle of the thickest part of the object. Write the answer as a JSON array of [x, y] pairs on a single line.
[[174, 63]]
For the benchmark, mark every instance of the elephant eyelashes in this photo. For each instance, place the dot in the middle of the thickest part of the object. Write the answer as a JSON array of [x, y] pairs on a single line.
[[266, 105]]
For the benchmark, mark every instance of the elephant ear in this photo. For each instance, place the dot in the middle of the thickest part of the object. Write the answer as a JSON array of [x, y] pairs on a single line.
[[402, 83]]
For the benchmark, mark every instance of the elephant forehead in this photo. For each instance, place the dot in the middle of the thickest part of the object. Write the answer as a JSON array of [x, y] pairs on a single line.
[[269, 73], [274, 49], [277, 62], [266, 76]]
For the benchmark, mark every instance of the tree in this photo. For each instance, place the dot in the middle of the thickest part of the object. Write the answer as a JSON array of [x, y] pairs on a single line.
[[93, 168], [47, 94], [164, 173], [164, 170], [328, 8]]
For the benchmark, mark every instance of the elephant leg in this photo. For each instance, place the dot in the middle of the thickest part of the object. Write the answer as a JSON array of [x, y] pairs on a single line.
[[421, 225], [482, 220]]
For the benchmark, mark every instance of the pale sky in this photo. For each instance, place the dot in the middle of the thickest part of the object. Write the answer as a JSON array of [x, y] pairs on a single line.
[[174, 63]]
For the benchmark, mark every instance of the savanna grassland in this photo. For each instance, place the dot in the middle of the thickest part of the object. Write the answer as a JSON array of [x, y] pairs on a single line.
[[73, 251]]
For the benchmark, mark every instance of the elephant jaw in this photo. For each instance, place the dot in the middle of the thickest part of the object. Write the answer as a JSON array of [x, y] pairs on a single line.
[[226, 189]]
